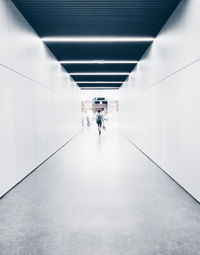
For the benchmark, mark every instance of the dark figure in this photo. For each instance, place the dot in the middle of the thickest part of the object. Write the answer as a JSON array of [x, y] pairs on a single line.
[[99, 120]]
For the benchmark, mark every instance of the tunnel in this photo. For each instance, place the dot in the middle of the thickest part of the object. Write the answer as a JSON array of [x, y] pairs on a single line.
[[100, 127]]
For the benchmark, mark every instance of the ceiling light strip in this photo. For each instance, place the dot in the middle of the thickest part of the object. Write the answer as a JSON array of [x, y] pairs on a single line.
[[98, 88], [97, 39], [98, 62], [99, 74], [99, 82]]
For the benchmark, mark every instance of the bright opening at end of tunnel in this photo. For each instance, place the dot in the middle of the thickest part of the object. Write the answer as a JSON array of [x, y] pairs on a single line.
[[105, 101]]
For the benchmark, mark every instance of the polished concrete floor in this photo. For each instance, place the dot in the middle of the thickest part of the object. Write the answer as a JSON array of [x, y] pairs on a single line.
[[99, 196]]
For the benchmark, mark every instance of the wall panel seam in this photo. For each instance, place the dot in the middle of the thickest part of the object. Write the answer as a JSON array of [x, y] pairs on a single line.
[[12, 70], [38, 166], [172, 74], [164, 171]]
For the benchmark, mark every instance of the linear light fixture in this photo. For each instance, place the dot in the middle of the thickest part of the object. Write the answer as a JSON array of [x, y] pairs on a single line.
[[99, 88], [98, 62], [97, 39], [99, 73], [99, 82]]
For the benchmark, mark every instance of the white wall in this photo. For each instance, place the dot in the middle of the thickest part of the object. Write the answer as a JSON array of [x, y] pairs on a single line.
[[160, 102], [39, 103]]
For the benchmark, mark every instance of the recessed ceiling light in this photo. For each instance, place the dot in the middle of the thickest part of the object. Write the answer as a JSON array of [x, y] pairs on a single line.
[[99, 88], [99, 82], [97, 39], [99, 73], [98, 62]]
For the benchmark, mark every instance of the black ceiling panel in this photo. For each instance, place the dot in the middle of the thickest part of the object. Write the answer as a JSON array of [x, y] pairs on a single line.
[[99, 77], [98, 51], [71, 68], [97, 18], [108, 85]]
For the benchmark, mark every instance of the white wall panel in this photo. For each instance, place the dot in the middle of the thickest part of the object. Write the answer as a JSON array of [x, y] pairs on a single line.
[[24, 123], [39, 103], [159, 103], [4, 56], [40, 125], [7, 136], [170, 124], [189, 147], [155, 106]]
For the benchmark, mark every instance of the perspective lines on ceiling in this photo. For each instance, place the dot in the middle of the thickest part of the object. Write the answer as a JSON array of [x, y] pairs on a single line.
[[98, 42], [98, 77]]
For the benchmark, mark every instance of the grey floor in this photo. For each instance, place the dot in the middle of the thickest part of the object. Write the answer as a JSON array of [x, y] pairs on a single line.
[[99, 196]]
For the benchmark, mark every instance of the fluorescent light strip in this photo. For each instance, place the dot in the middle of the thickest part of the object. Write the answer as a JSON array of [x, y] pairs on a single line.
[[98, 62], [99, 82], [99, 73], [98, 88], [97, 39]]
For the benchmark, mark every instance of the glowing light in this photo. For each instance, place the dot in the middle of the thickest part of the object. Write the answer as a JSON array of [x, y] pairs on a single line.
[[99, 62], [97, 39], [99, 82], [99, 73], [99, 88]]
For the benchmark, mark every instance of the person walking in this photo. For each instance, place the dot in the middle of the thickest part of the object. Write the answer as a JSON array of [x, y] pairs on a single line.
[[99, 120]]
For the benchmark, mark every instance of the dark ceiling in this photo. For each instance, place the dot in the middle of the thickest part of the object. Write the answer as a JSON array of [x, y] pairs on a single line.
[[97, 18]]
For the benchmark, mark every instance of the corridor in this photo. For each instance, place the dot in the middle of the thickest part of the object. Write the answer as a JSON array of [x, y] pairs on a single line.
[[99, 195]]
